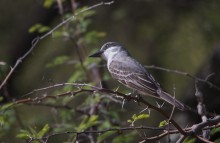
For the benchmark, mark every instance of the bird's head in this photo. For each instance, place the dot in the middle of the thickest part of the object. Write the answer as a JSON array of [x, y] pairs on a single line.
[[109, 50]]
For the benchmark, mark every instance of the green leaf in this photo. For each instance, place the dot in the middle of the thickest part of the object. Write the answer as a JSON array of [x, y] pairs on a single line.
[[6, 106], [134, 117], [48, 3], [38, 28], [189, 140], [129, 121], [33, 132], [93, 120], [215, 131], [138, 117], [88, 122], [43, 29], [105, 135], [82, 124], [163, 123], [23, 134], [43, 131], [142, 116]]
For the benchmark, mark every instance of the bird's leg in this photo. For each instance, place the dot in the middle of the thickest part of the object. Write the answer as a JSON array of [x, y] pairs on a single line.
[[134, 92], [130, 94], [138, 98]]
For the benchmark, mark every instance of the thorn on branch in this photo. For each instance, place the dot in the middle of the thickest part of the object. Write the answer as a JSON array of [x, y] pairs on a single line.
[[123, 102], [108, 3]]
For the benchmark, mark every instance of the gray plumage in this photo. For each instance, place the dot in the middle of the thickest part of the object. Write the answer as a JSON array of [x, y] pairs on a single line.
[[132, 74]]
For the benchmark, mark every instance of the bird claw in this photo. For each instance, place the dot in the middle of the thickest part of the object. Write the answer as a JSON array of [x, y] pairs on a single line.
[[133, 93], [129, 94], [138, 96], [128, 97]]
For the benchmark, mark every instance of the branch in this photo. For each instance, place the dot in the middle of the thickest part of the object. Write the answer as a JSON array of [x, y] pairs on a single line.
[[117, 94], [184, 74], [203, 139], [101, 131], [39, 38], [77, 85], [123, 129], [197, 128], [165, 115], [193, 130], [201, 110]]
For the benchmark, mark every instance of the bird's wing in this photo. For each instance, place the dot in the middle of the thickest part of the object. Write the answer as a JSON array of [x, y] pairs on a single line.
[[133, 75]]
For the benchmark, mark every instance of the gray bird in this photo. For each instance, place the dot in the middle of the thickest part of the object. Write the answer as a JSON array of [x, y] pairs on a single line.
[[132, 74]]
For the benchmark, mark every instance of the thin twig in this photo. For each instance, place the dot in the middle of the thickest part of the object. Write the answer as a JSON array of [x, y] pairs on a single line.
[[172, 112], [181, 139], [203, 139], [193, 130], [197, 128], [184, 74], [202, 109], [77, 85], [107, 130], [34, 43]]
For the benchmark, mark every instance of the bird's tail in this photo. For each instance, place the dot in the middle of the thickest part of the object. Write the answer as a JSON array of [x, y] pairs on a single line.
[[168, 98]]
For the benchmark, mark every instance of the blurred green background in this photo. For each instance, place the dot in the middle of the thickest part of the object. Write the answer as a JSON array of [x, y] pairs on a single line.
[[180, 34]]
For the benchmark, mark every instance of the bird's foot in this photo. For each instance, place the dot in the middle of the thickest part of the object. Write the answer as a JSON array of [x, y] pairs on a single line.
[[138, 97], [131, 94]]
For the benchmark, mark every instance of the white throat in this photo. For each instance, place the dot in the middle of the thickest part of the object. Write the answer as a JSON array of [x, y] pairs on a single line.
[[111, 53]]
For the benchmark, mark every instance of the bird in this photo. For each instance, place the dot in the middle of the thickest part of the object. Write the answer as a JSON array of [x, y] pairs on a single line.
[[128, 71]]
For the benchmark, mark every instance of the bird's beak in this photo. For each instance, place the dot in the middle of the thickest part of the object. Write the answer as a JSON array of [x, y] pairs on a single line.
[[97, 54]]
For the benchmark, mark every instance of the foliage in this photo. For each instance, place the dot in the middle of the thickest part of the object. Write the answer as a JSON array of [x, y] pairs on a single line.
[[189, 140], [48, 3], [32, 133], [163, 123], [138, 117], [87, 122], [76, 32], [38, 28]]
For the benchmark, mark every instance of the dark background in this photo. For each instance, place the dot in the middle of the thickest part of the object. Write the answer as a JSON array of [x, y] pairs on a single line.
[[175, 34]]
